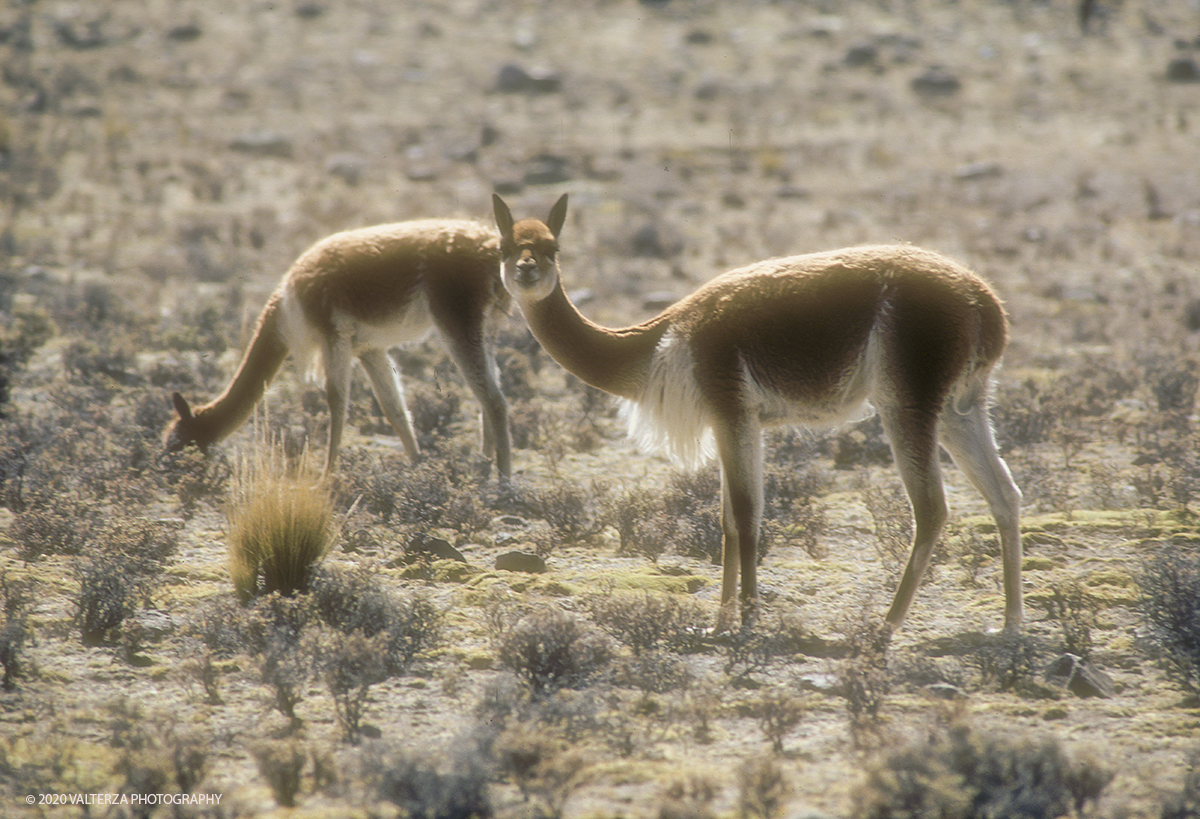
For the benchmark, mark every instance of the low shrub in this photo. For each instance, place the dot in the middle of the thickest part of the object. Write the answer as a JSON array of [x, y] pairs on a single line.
[[550, 649], [353, 663], [961, 773], [351, 601], [646, 621], [1170, 592]]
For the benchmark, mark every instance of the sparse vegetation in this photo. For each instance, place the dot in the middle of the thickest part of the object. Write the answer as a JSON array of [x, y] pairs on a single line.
[[162, 164]]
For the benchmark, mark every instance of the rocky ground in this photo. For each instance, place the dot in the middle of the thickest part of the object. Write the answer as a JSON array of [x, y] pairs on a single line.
[[163, 161]]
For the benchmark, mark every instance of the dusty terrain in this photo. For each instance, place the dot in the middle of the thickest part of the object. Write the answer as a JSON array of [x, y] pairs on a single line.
[[163, 161]]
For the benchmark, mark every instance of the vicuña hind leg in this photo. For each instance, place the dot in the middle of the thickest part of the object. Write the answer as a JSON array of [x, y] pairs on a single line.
[[385, 381], [913, 435], [969, 440], [740, 451], [337, 395]]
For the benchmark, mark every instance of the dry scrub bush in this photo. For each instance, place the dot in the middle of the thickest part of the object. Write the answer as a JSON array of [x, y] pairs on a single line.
[[762, 788], [958, 773], [15, 630], [892, 516], [549, 649], [352, 602], [1009, 662], [647, 621], [779, 711], [689, 798], [353, 663], [1170, 592], [281, 763], [426, 788], [156, 755], [121, 569], [1075, 610], [281, 524], [438, 491]]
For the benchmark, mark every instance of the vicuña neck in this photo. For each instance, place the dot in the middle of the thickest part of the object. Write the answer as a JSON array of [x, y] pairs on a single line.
[[615, 361], [262, 360]]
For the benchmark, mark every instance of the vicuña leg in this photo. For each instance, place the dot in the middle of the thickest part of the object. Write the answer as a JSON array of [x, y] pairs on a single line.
[[740, 449], [337, 395], [478, 366], [913, 436], [968, 437], [385, 381]]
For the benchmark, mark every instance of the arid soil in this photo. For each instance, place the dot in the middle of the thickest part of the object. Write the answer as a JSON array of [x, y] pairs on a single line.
[[163, 161]]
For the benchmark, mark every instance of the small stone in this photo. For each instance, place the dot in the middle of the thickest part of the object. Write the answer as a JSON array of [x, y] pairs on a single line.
[[521, 562], [263, 143], [1183, 69], [436, 548], [945, 691], [936, 82], [1080, 677], [514, 79]]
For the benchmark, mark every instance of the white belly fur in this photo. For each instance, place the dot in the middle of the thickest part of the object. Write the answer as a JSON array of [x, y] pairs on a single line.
[[310, 347], [672, 417]]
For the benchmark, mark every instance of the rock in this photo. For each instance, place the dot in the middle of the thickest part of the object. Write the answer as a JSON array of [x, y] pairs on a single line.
[[1080, 677], [945, 691], [936, 82], [1183, 69], [347, 167], [864, 54], [546, 169], [264, 143], [514, 79], [1191, 316], [185, 33], [979, 170], [434, 548], [521, 562]]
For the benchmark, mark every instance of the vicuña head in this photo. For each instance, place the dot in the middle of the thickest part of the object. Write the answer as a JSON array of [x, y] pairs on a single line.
[[356, 294], [814, 340]]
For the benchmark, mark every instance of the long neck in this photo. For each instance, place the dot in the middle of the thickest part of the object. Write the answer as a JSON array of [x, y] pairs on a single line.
[[615, 361], [265, 355]]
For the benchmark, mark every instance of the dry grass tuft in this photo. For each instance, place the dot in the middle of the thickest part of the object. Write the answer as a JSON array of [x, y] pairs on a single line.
[[281, 523]]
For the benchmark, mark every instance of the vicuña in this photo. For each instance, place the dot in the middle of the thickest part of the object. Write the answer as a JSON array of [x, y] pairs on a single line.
[[813, 340], [356, 294]]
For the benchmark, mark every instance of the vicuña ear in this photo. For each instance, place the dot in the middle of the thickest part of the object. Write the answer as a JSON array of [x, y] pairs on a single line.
[[181, 406], [504, 219], [558, 216]]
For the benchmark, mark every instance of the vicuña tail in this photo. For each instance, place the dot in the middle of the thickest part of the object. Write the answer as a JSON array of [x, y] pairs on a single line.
[[217, 419]]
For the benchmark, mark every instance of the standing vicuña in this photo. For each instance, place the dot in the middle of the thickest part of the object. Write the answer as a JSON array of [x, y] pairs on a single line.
[[358, 293], [811, 340]]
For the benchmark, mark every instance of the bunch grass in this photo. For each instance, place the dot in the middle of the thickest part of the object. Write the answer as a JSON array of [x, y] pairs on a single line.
[[282, 522]]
